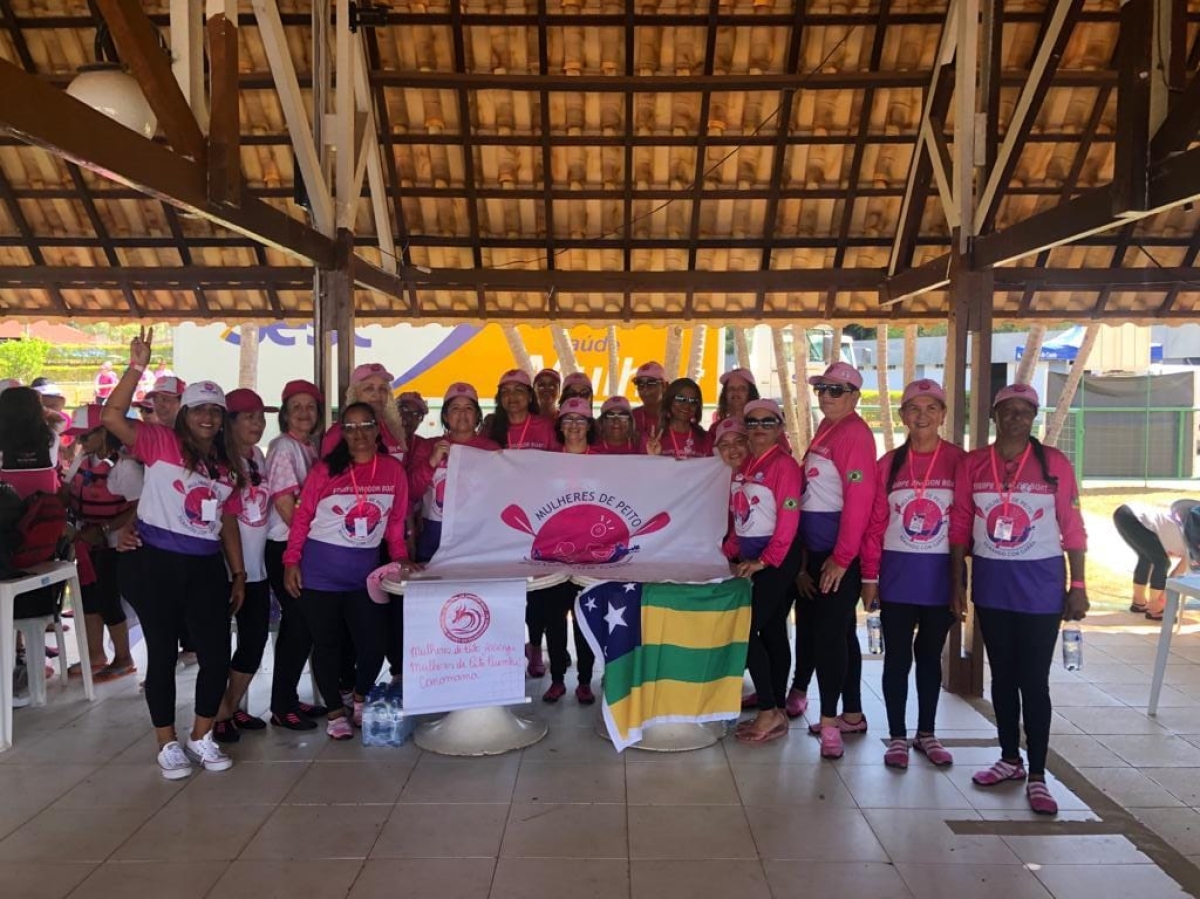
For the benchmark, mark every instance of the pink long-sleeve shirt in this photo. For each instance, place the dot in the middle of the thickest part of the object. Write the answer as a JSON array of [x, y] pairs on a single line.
[[764, 502], [839, 488]]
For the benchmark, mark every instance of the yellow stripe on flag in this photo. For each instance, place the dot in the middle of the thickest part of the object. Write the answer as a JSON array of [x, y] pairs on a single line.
[[662, 698], [694, 630]]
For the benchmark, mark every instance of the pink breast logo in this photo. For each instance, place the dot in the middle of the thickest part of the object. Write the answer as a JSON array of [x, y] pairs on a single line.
[[922, 519], [1022, 524], [254, 506], [464, 618], [741, 505], [585, 533], [366, 511], [193, 503]]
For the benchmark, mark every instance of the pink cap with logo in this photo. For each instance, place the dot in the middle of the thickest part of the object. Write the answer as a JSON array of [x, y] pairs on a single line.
[[576, 405], [842, 372], [203, 393], [85, 420], [650, 370], [616, 404], [577, 380], [516, 376], [548, 373], [727, 426], [769, 406], [170, 385], [370, 370], [743, 374], [414, 399], [460, 389], [301, 387], [1017, 392], [246, 400], [924, 387]]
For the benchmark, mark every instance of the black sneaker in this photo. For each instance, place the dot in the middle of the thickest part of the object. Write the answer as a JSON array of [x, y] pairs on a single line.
[[308, 710], [245, 721], [292, 721], [226, 731]]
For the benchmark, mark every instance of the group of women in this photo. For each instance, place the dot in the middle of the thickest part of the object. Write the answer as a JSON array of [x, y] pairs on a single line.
[[211, 527]]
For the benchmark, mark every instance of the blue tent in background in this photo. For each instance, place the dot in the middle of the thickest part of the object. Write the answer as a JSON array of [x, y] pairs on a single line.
[[1065, 347]]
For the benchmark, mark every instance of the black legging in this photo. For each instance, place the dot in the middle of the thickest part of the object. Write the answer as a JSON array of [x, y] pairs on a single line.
[[329, 614], [554, 604], [931, 623], [1020, 648], [253, 622], [293, 642], [837, 655], [103, 596], [768, 655], [1153, 563]]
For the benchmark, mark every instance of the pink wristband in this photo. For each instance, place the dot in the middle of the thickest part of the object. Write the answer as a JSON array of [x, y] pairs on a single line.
[[137, 368], [1078, 585]]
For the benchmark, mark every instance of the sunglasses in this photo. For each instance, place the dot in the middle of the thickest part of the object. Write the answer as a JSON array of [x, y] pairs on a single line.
[[834, 390], [768, 423], [410, 412], [353, 426], [646, 382], [573, 421], [687, 400], [576, 394], [611, 415]]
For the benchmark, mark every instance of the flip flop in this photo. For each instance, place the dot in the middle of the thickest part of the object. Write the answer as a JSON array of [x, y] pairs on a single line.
[[112, 673], [762, 736]]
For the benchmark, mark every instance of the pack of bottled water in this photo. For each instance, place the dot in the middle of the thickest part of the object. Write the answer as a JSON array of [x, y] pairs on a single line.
[[384, 721]]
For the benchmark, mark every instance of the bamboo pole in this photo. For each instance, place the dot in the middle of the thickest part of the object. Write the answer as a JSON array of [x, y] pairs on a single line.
[[566, 352], [885, 395], [674, 350], [803, 399], [614, 362], [248, 356], [517, 345], [695, 368], [835, 349], [741, 346], [1033, 349], [783, 368], [910, 354], [1078, 369]]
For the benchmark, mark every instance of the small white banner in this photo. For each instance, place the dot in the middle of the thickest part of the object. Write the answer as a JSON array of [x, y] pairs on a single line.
[[464, 644]]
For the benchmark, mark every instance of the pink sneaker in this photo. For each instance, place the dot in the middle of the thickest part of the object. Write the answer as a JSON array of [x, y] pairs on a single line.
[[536, 667], [858, 727], [584, 694], [339, 729], [897, 754], [831, 743], [797, 704], [1040, 799], [999, 773], [932, 748], [556, 692]]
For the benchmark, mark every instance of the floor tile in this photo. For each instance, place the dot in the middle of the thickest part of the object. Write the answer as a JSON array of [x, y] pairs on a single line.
[[925, 837], [84, 747], [1009, 795], [1105, 720], [246, 783], [559, 782], [1082, 694], [975, 881], [1092, 849], [454, 830], [1109, 881], [185, 833], [1154, 751], [318, 831], [565, 831], [689, 832], [119, 786], [349, 783], [669, 879], [39, 785], [880, 787], [1138, 695], [441, 779], [1082, 750], [653, 784], [834, 835], [82, 835], [808, 785], [1178, 720], [287, 879], [1183, 783], [579, 878], [443, 878], [574, 744], [39, 880], [803, 880], [1129, 787], [1179, 827], [162, 880]]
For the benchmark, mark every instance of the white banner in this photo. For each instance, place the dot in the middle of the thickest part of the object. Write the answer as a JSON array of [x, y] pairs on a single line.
[[464, 644], [526, 513]]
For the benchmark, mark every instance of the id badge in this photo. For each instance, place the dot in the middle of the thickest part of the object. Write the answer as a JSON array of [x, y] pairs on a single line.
[[360, 528], [254, 513], [1004, 529], [917, 523], [208, 510]]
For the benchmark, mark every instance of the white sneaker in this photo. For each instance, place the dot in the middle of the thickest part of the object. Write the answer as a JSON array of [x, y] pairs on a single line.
[[207, 754], [174, 762]]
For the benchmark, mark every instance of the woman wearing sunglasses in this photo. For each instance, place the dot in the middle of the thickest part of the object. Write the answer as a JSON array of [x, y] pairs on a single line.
[[354, 500], [679, 434], [839, 492], [905, 565], [576, 385], [765, 501], [650, 380], [616, 429]]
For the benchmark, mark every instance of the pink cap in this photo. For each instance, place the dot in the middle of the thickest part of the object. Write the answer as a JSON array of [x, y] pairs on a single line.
[[85, 420], [6, 383], [301, 387], [650, 370], [370, 370], [727, 426], [412, 398], [743, 373], [842, 372], [516, 376], [548, 373], [170, 385], [246, 400], [924, 387], [576, 405], [576, 380], [460, 389], [1017, 392], [763, 406], [616, 404], [203, 393]]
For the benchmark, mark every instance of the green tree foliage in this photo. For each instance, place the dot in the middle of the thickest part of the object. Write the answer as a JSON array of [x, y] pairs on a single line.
[[23, 359]]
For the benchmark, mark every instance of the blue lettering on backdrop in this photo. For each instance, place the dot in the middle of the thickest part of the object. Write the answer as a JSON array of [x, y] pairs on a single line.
[[286, 335]]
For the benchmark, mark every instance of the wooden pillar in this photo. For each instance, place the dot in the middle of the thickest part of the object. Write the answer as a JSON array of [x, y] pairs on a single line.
[[333, 308]]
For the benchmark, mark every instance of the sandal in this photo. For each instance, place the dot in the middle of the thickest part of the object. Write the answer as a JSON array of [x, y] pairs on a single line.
[[113, 672], [1136, 609], [749, 735], [1155, 616]]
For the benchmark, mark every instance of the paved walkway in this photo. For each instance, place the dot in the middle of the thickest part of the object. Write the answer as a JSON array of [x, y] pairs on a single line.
[[84, 812]]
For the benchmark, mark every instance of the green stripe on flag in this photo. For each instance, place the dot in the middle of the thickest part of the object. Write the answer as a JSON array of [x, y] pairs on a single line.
[[726, 596], [664, 662]]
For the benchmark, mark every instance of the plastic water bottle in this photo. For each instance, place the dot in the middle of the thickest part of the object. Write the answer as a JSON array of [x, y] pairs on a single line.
[[1072, 642], [874, 634], [402, 725], [376, 729]]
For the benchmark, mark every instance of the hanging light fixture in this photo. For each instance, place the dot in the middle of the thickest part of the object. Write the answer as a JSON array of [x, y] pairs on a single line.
[[106, 87]]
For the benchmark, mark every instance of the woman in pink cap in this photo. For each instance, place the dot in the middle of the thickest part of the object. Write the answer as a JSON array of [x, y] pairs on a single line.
[[737, 389], [546, 384], [371, 383], [1016, 510], [679, 433], [517, 423], [413, 410], [247, 421], [616, 436], [576, 385], [186, 518], [906, 572], [290, 457], [649, 380], [461, 416], [765, 501]]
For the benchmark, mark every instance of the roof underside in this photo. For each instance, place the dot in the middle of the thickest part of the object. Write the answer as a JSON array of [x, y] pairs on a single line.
[[581, 135]]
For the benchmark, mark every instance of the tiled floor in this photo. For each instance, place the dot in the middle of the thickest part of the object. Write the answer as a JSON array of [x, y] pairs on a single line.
[[84, 813]]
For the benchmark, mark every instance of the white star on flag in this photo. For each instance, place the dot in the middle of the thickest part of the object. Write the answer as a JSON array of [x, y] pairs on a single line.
[[615, 618], [629, 588], [590, 605]]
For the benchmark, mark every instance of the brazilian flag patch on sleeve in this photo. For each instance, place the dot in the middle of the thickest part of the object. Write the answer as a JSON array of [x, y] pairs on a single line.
[[791, 503], [854, 476]]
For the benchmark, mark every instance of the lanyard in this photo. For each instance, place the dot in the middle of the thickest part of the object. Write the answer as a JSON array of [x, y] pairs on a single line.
[[819, 438], [362, 497], [912, 471], [675, 443], [755, 463], [1006, 492], [524, 431]]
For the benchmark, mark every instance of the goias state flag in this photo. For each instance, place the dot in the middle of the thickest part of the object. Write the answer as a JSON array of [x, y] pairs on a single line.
[[673, 653]]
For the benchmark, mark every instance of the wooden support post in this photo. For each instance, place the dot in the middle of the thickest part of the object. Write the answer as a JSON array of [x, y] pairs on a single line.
[[224, 126], [334, 323]]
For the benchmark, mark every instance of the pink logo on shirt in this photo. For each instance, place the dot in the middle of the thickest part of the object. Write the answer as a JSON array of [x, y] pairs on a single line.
[[585, 533], [193, 503], [922, 519], [742, 505], [1021, 523], [254, 506], [365, 511]]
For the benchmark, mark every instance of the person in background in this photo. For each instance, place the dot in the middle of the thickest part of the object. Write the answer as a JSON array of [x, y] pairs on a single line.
[[354, 500], [413, 410], [97, 512], [1016, 510], [52, 395], [145, 411], [576, 385], [247, 421], [678, 433], [546, 384], [737, 389], [839, 493], [616, 429], [106, 380], [650, 380], [186, 518], [905, 565], [517, 423], [1155, 534], [164, 399], [290, 457], [371, 383]]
